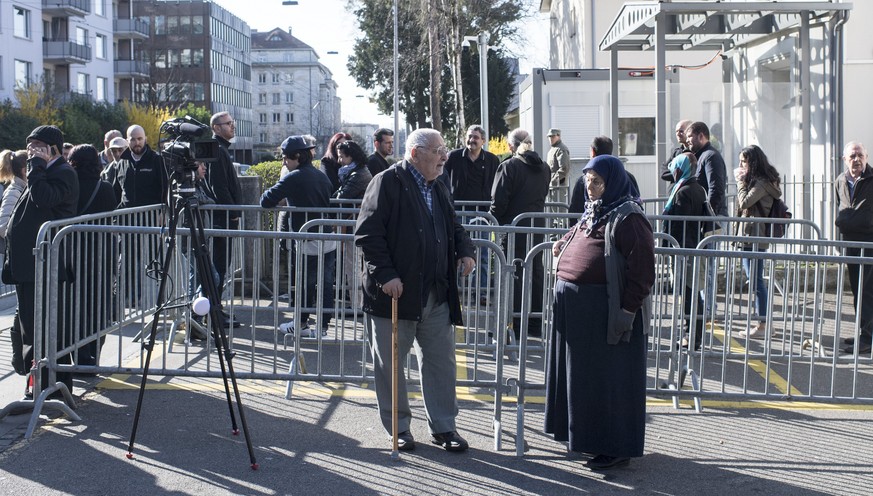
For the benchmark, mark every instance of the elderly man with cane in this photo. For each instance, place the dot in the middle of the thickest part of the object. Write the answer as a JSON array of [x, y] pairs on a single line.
[[413, 247]]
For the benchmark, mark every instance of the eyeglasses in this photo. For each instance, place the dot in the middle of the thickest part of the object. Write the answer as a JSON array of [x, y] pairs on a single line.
[[439, 151], [228, 123]]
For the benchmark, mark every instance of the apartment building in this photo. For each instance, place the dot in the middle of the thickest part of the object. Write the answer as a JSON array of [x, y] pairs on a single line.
[[64, 44], [293, 93]]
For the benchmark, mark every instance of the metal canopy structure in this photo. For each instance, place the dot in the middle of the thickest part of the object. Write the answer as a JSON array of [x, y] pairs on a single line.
[[730, 27], [710, 25]]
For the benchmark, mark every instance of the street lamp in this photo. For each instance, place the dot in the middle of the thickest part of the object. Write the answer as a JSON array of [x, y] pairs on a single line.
[[482, 41]]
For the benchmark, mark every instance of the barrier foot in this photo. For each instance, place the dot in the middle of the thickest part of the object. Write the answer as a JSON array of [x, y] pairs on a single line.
[[497, 437]]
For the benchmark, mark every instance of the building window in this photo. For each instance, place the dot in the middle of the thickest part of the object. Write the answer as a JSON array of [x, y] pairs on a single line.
[[277, 98], [21, 23], [262, 98], [199, 92], [289, 97], [100, 46], [276, 77], [82, 36], [262, 77], [82, 83], [277, 118], [160, 25], [289, 117], [101, 89], [262, 137], [196, 24], [23, 75], [100, 7], [196, 57], [262, 118]]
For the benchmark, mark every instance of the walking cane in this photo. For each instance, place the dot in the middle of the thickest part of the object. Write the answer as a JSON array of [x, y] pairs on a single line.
[[395, 454]]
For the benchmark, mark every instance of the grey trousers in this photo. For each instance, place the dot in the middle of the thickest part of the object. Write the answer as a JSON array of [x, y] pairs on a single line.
[[435, 349]]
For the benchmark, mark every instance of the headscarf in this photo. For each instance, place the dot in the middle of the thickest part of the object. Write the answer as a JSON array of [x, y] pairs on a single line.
[[683, 164], [618, 190]]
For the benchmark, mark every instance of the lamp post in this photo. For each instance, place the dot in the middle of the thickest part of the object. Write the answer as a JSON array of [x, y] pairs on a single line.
[[396, 77], [482, 41]]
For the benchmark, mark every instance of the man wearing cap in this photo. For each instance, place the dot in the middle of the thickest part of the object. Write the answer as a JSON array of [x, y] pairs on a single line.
[[223, 180], [305, 186], [558, 160], [105, 157], [52, 193], [116, 147]]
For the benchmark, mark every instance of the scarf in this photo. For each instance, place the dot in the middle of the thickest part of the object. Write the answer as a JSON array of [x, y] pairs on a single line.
[[618, 190], [682, 164]]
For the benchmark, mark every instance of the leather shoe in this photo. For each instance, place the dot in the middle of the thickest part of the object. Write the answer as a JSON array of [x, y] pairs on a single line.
[[605, 462], [863, 349], [405, 441], [451, 441]]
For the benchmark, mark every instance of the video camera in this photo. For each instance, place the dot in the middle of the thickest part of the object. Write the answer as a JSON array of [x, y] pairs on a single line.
[[187, 146]]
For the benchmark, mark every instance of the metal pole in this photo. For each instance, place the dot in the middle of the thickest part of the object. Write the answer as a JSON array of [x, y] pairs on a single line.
[[483, 82], [396, 76]]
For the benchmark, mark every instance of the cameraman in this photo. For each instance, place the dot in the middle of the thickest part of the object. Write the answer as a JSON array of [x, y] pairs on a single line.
[[223, 180]]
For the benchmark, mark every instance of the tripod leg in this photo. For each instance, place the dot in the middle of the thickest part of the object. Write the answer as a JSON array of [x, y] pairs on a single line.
[[225, 356], [150, 344]]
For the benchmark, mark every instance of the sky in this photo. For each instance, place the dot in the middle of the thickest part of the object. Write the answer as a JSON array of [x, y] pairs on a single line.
[[329, 25]]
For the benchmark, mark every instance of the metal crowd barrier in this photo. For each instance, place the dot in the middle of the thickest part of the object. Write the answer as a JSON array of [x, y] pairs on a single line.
[[270, 271]]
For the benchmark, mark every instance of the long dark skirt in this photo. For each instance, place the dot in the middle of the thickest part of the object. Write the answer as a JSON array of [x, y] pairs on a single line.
[[595, 392]]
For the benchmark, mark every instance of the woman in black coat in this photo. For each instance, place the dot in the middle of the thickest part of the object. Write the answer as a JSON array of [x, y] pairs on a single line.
[[92, 289], [354, 177], [687, 198], [330, 163]]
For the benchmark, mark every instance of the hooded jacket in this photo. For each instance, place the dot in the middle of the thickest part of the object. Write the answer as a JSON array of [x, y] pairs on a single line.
[[520, 185]]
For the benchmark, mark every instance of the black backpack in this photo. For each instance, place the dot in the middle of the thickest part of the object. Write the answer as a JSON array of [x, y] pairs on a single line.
[[778, 211]]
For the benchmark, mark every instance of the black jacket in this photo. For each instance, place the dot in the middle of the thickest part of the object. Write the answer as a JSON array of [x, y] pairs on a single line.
[[139, 183], [470, 180], [222, 178], [521, 185], [855, 212], [390, 234], [305, 186], [689, 200], [331, 169], [355, 185], [712, 175], [376, 163], [52, 193], [104, 197]]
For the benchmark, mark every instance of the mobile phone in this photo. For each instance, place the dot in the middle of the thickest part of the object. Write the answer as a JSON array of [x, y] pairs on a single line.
[[53, 150]]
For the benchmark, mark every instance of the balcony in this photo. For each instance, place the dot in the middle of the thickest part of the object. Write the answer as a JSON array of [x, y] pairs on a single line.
[[135, 28], [66, 8], [65, 52], [131, 68]]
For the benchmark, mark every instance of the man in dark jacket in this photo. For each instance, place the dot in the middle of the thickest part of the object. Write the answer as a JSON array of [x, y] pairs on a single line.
[[854, 195], [140, 177], [306, 187], [711, 171], [411, 244], [223, 180], [681, 147], [52, 193], [469, 172], [521, 186], [383, 142]]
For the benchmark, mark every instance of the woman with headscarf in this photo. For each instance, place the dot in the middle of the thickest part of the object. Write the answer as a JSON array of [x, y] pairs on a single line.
[[687, 198], [757, 189], [596, 375]]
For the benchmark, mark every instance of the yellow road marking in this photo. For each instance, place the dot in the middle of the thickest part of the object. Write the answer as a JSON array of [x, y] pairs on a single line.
[[759, 366]]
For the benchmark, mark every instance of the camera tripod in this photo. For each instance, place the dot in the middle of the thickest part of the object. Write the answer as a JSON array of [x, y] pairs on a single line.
[[185, 202]]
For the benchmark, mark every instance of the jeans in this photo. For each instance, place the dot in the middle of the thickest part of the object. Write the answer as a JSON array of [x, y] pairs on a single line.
[[754, 271], [312, 290]]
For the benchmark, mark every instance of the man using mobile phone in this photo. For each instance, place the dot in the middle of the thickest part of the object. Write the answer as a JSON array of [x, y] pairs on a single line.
[[52, 193]]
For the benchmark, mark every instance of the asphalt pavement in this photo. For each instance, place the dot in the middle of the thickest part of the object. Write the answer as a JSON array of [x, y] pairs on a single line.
[[327, 440]]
